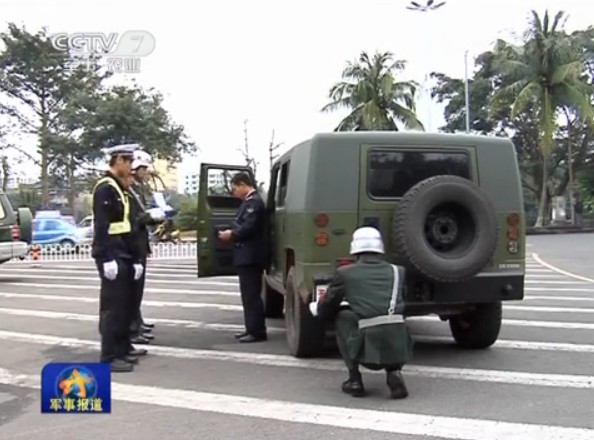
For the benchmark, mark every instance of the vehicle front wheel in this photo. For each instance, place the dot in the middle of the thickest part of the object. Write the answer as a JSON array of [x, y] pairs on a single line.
[[305, 333], [478, 328]]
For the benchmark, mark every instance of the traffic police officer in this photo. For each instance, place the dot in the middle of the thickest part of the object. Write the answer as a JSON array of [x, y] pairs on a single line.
[[249, 255], [371, 331], [116, 258], [141, 331]]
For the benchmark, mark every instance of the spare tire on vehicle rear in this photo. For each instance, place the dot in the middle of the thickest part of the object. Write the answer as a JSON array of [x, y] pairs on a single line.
[[446, 228]]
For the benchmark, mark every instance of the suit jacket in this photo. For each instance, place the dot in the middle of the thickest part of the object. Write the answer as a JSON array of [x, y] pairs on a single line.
[[367, 287], [249, 232]]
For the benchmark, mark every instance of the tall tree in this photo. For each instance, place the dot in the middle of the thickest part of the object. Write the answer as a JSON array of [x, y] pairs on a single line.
[[547, 72], [124, 114], [37, 81], [375, 99]]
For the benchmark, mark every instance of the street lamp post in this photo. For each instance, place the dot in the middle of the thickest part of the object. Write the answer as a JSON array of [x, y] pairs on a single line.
[[429, 6]]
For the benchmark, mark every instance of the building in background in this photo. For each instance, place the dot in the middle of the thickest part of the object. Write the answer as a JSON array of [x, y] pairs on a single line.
[[168, 172], [192, 182]]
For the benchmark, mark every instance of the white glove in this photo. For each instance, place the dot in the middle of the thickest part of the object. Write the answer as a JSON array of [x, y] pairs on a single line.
[[157, 214], [313, 308], [138, 269], [110, 270]]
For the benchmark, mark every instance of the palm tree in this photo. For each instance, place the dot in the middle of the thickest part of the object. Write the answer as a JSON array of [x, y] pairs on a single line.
[[545, 72], [375, 99]]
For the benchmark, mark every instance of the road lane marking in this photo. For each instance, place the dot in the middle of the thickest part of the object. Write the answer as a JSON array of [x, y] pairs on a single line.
[[558, 298], [188, 324], [564, 325], [169, 322], [561, 271], [558, 289], [4, 279], [547, 309], [327, 415], [151, 303], [275, 360], [95, 289]]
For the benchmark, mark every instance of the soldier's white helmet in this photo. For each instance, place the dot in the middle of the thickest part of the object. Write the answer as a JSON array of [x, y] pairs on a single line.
[[137, 163], [367, 239]]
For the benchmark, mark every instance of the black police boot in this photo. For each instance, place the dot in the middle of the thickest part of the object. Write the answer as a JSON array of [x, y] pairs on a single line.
[[353, 386], [131, 359], [140, 340], [396, 384], [120, 366], [241, 335], [133, 351]]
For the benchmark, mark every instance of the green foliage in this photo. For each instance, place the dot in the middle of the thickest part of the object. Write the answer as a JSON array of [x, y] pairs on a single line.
[[375, 99], [187, 217], [519, 91], [585, 183]]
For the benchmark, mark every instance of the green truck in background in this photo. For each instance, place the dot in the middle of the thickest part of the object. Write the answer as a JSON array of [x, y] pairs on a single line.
[[449, 207], [16, 230]]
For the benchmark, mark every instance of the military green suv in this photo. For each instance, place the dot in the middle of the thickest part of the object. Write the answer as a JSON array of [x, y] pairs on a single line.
[[449, 207], [15, 230]]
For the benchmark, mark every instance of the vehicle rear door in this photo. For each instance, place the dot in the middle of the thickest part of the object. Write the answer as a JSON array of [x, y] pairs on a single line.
[[217, 208]]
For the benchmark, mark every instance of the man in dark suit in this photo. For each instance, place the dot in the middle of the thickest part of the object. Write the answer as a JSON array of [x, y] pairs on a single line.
[[249, 255]]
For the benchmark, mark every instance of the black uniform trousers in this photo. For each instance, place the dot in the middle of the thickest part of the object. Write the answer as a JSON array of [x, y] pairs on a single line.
[[136, 320], [116, 302], [250, 286]]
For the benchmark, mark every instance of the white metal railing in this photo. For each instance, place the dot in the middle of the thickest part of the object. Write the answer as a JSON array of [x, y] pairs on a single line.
[[164, 251]]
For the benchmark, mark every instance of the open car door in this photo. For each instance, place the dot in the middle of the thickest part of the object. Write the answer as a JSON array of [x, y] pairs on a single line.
[[217, 208]]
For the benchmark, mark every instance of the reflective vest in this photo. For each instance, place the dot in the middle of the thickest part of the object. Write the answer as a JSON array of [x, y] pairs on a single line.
[[124, 226]]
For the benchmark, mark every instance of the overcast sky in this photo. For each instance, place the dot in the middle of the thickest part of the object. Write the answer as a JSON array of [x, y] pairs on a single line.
[[273, 62]]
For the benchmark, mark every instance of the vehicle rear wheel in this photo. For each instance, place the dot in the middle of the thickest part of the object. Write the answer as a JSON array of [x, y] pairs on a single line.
[[274, 302], [305, 333], [446, 228], [478, 328]]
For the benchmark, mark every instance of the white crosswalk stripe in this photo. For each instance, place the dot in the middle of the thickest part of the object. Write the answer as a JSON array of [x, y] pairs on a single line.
[[544, 349]]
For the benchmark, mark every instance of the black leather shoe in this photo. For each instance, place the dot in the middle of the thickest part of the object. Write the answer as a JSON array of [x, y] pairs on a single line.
[[146, 329], [140, 340], [396, 384], [353, 388], [240, 335], [147, 325], [148, 336], [138, 352], [120, 366], [251, 338], [131, 359]]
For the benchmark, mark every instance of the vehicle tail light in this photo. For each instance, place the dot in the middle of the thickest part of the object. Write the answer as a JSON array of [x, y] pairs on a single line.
[[16, 233], [322, 239], [344, 261], [513, 232], [321, 220]]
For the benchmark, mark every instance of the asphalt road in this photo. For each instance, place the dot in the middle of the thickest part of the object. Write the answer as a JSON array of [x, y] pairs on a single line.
[[536, 383]]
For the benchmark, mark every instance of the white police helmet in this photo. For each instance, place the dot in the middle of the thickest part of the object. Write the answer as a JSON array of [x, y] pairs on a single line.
[[367, 239]]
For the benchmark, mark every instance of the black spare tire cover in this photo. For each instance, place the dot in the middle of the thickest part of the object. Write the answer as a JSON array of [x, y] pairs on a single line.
[[446, 228]]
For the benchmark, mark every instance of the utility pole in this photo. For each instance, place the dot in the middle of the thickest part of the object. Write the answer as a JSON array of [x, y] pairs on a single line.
[[466, 92], [429, 6], [249, 161], [271, 149]]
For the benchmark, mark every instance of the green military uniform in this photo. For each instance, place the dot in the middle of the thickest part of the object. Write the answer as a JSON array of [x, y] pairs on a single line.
[[365, 335], [144, 191]]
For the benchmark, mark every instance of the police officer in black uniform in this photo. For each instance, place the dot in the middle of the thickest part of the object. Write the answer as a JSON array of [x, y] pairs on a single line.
[[117, 258], [249, 255]]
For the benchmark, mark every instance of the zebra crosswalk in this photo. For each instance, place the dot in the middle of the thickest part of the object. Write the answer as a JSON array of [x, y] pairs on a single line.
[[535, 383]]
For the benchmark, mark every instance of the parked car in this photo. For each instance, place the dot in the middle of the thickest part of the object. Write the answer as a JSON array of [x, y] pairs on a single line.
[[54, 231], [85, 230]]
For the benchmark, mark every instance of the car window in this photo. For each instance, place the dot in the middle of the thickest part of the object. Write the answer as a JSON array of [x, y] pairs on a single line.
[[85, 223], [392, 173], [53, 225], [2, 212]]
